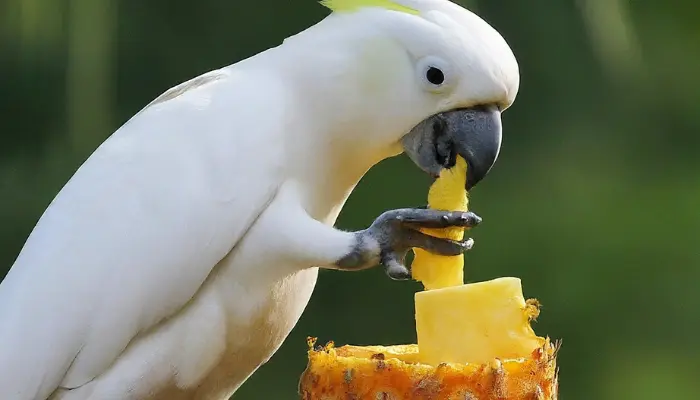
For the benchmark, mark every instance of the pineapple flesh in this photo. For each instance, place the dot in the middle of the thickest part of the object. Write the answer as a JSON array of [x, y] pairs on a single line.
[[475, 341], [475, 323], [446, 193]]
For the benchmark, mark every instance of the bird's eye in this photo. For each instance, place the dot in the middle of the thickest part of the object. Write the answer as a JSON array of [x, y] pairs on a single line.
[[435, 76]]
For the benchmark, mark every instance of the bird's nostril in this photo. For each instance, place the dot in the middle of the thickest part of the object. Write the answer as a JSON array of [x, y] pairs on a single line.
[[444, 146], [445, 152]]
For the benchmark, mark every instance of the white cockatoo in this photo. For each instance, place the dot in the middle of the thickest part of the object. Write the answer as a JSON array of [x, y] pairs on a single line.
[[180, 255]]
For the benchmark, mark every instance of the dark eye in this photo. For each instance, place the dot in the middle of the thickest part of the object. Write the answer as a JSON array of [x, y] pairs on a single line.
[[435, 76]]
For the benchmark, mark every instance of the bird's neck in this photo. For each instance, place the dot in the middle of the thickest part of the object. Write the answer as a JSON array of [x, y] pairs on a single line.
[[346, 127], [331, 180]]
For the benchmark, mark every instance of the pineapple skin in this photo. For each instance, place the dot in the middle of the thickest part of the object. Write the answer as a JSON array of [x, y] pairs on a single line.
[[393, 373]]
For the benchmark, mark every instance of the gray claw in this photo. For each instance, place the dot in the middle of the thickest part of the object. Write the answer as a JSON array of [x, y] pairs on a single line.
[[436, 245], [394, 233], [395, 269], [468, 244], [429, 218], [397, 232]]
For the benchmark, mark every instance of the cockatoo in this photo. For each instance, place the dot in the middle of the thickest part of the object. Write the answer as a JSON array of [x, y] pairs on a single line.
[[179, 256]]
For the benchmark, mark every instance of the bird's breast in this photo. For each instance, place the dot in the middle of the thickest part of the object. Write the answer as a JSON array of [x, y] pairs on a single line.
[[258, 319]]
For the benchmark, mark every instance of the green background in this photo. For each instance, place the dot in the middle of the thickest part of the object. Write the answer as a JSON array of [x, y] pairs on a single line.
[[593, 203]]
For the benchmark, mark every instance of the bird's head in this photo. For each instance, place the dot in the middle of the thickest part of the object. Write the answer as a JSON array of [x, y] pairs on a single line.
[[427, 77]]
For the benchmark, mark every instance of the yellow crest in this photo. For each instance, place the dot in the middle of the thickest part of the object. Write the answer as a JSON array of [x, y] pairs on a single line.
[[354, 5]]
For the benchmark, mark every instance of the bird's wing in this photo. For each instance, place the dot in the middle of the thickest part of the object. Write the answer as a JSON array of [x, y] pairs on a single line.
[[135, 232]]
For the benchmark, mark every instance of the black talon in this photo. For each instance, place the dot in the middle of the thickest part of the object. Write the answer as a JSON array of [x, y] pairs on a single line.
[[398, 274], [395, 269], [476, 220], [468, 244]]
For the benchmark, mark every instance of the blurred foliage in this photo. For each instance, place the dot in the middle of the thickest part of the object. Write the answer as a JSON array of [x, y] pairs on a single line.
[[593, 202]]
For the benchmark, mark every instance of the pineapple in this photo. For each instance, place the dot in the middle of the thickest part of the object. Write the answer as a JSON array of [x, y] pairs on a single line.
[[476, 323], [394, 373], [447, 193], [474, 340]]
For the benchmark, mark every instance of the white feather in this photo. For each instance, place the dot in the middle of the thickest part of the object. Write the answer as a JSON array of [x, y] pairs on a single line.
[[180, 255], [136, 232]]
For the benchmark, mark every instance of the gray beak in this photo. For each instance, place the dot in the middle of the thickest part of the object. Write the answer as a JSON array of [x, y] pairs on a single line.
[[473, 133]]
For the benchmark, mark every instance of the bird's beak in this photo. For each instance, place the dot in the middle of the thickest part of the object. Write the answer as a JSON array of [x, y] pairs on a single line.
[[473, 133]]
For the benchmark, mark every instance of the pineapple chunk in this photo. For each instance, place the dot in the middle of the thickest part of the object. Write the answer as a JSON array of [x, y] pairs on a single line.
[[446, 193], [475, 323]]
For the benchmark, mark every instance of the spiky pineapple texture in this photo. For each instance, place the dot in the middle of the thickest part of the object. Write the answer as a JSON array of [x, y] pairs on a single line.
[[392, 373]]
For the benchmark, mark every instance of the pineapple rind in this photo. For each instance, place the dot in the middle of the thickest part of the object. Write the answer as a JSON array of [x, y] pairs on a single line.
[[391, 373]]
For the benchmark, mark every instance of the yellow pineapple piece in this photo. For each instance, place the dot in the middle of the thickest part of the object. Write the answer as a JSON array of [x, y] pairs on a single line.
[[475, 323], [446, 193]]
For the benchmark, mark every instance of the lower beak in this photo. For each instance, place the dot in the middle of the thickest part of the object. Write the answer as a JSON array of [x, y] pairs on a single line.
[[473, 133]]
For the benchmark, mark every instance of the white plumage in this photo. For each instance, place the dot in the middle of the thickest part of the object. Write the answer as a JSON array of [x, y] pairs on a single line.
[[180, 255]]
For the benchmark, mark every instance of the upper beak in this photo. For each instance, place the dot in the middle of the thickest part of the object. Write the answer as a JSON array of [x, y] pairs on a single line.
[[473, 133]]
